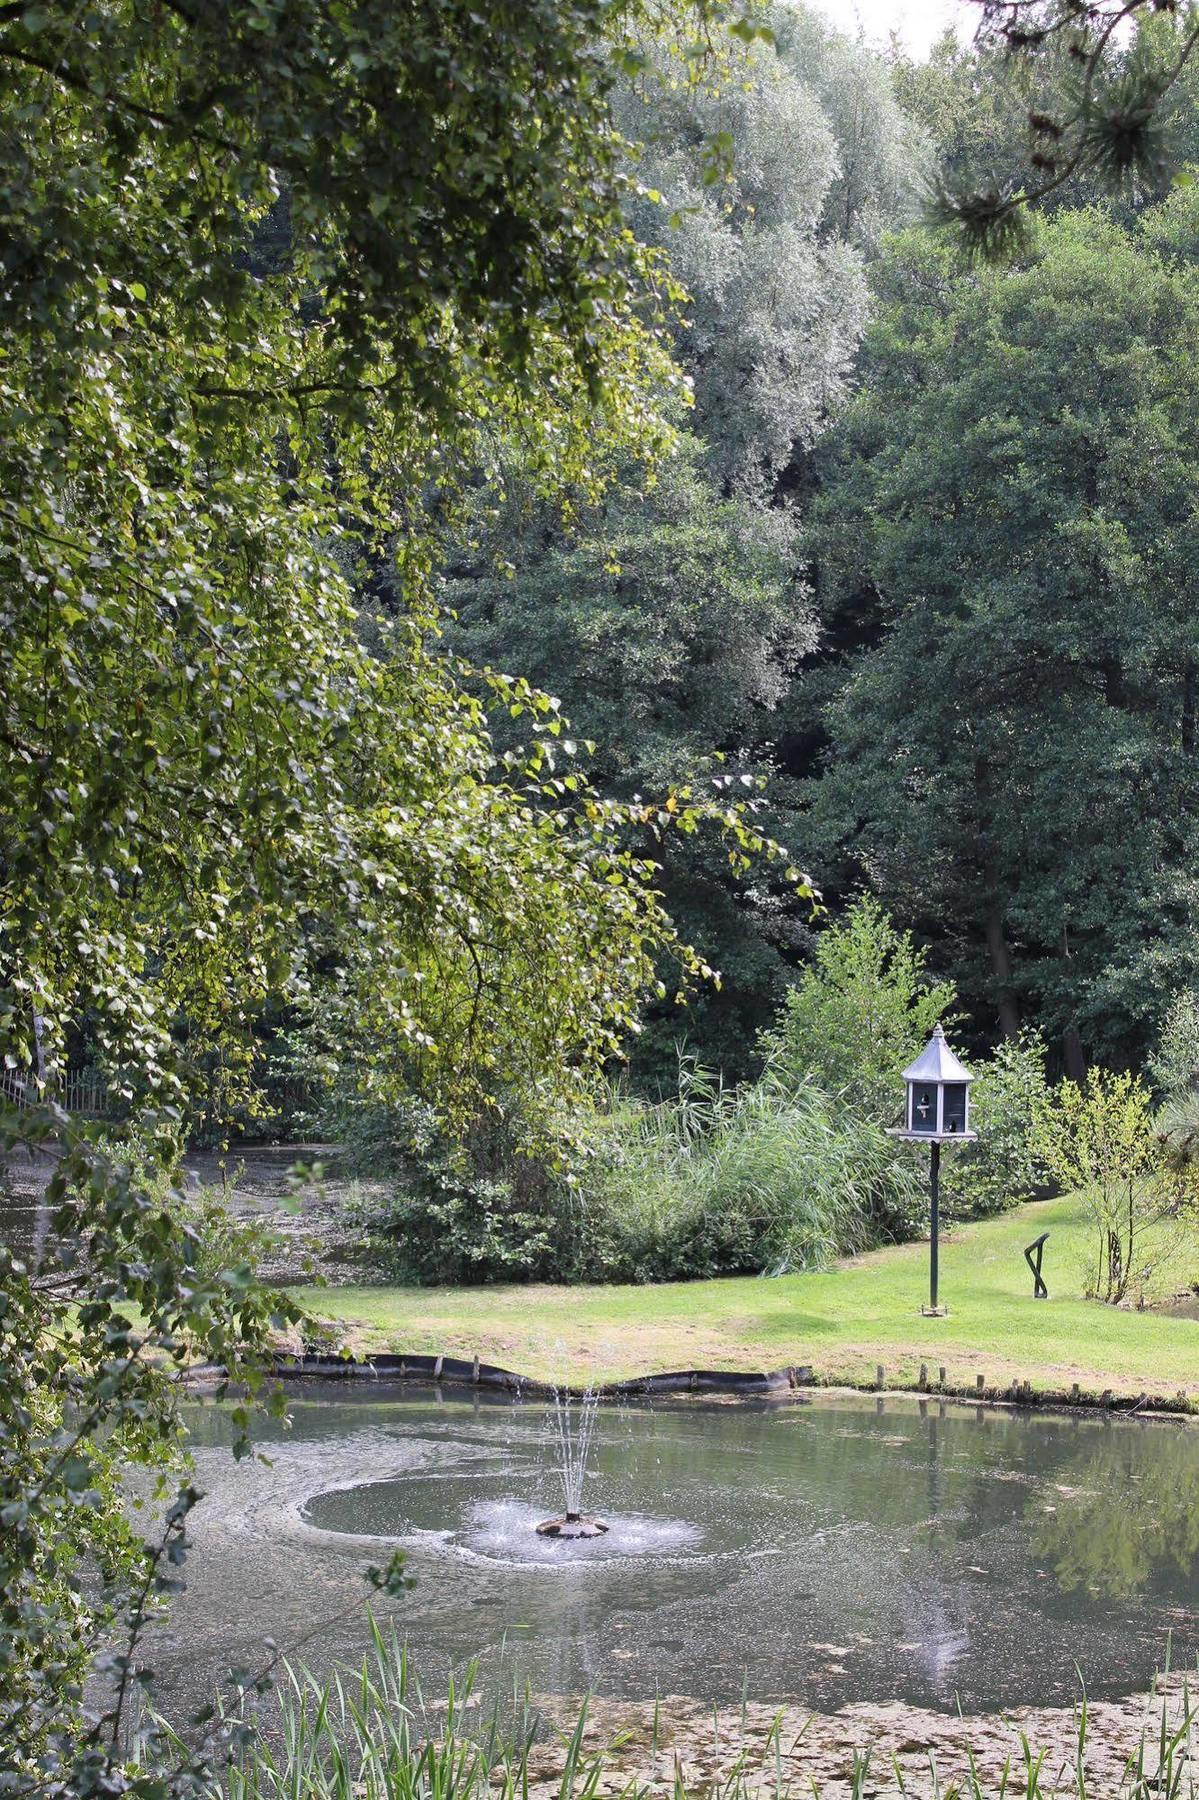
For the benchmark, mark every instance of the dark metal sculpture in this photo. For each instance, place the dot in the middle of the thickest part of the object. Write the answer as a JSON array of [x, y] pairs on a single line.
[[1040, 1291]]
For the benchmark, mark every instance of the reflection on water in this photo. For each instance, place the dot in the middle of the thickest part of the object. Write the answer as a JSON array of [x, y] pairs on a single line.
[[1127, 1523], [820, 1552]]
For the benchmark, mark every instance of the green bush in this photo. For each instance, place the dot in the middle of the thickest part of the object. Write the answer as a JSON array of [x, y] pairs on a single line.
[[1174, 1061], [861, 1011], [435, 1212], [755, 1179], [440, 1226], [1006, 1165]]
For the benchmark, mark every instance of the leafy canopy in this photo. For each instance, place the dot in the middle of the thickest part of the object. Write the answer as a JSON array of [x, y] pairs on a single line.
[[214, 791], [1008, 524], [860, 1011], [273, 276]]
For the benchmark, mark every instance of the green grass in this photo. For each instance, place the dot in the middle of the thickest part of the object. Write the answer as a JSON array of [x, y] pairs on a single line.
[[844, 1322]]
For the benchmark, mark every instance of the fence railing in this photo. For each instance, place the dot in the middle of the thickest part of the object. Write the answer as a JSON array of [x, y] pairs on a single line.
[[82, 1092]]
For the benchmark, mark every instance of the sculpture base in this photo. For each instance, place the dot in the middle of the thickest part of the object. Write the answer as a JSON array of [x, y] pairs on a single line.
[[574, 1525]]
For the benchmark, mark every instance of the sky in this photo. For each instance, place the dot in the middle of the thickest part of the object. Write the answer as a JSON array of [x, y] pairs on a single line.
[[918, 22]]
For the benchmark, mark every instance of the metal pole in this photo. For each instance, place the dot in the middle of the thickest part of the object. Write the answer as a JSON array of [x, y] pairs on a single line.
[[934, 1180]]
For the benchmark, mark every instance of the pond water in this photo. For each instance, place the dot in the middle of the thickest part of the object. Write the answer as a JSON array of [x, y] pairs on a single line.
[[821, 1550], [307, 1221]]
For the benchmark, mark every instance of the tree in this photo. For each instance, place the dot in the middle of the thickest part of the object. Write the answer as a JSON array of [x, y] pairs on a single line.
[[1174, 1062], [974, 102], [1099, 1139], [821, 159], [1008, 528], [860, 1011], [670, 617], [667, 620], [1099, 104], [884, 154], [214, 790], [189, 716]]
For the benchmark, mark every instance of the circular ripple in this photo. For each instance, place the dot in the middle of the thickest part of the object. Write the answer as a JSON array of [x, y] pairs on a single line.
[[500, 1526]]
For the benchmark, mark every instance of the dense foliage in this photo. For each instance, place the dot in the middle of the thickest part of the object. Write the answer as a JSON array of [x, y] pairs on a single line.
[[863, 1008], [273, 278], [315, 314], [1008, 529], [666, 619], [207, 797], [672, 617], [1007, 1103]]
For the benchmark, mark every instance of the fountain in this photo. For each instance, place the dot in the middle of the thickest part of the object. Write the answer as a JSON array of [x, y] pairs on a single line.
[[574, 1434]]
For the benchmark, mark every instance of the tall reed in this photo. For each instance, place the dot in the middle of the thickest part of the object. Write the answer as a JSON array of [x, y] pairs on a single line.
[[368, 1734]]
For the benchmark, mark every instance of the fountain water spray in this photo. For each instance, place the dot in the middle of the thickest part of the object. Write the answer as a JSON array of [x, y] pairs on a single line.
[[575, 1430]]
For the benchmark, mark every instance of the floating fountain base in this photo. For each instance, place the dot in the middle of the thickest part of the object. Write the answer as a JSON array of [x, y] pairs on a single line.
[[574, 1525]]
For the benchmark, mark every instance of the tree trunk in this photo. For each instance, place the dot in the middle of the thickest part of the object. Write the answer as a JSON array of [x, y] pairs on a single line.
[[1115, 1269], [39, 1053], [1114, 691], [1001, 968], [1074, 1062], [1188, 706], [994, 936]]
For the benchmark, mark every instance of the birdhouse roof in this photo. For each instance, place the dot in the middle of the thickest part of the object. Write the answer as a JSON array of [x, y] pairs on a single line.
[[936, 1062]]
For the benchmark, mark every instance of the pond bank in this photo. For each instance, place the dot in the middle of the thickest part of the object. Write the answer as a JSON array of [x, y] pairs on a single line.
[[765, 1750], [306, 1220], [442, 1369], [844, 1323]]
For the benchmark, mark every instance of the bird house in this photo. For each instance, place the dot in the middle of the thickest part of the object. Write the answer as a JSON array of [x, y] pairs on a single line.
[[938, 1094]]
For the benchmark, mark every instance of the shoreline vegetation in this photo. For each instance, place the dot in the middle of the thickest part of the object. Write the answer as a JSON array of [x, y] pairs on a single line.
[[373, 1726], [843, 1323]]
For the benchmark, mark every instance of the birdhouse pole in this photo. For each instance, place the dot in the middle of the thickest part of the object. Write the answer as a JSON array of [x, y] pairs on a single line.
[[937, 1111], [934, 1194]]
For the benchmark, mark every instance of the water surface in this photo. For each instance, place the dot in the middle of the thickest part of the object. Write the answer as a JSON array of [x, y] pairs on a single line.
[[820, 1551]]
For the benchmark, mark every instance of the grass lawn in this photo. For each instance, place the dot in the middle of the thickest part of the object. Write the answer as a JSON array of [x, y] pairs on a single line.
[[863, 1312]]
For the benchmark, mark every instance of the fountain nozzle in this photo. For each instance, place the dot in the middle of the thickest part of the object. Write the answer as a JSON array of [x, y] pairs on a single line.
[[573, 1525]]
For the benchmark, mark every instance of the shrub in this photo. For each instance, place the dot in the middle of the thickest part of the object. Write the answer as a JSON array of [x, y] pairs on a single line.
[[441, 1212], [756, 1179], [860, 1012], [1006, 1165], [1174, 1062], [1100, 1139], [446, 1225]]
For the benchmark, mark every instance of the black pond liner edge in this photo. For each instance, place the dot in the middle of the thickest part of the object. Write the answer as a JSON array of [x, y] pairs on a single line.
[[471, 1372]]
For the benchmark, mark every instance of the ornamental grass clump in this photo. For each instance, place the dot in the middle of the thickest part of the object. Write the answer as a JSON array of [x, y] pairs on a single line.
[[757, 1179]]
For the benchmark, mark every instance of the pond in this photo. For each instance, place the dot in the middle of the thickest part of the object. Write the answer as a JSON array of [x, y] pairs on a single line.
[[822, 1550], [307, 1223]]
